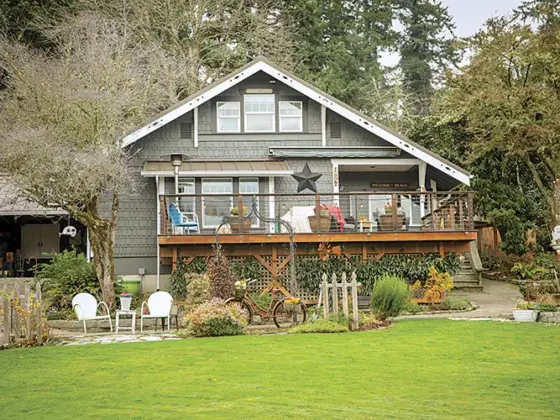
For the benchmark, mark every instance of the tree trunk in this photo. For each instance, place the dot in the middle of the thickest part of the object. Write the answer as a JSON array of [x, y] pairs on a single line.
[[552, 197], [102, 233]]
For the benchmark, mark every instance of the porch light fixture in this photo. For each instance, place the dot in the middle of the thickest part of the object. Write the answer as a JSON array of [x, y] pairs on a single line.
[[176, 162]]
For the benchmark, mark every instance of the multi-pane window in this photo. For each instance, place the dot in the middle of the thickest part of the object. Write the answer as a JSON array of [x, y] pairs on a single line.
[[229, 117], [216, 208], [186, 186], [259, 113], [250, 186], [291, 118]]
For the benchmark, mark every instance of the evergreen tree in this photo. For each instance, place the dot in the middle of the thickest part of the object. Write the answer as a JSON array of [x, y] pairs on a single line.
[[427, 47]]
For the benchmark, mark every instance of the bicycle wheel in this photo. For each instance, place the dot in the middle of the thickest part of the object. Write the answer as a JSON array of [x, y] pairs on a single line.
[[244, 305], [287, 314]]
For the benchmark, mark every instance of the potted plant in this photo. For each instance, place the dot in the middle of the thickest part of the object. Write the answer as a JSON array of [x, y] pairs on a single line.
[[291, 305], [126, 300], [240, 289], [525, 312], [235, 220], [388, 208]]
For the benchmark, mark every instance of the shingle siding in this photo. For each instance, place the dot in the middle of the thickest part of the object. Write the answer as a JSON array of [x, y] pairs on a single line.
[[136, 236]]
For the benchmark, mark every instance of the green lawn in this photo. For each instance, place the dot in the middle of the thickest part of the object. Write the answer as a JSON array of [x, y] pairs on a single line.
[[417, 369]]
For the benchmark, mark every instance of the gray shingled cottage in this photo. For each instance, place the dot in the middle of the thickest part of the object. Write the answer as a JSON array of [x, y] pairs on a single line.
[[240, 140]]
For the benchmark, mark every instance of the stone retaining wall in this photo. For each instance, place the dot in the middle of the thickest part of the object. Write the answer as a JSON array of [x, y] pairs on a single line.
[[549, 317]]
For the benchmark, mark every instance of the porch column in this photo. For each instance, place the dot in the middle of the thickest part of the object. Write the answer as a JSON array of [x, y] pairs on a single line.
[[160, 189], [336, 186], [271, 203], [422, 184], [195, 127], [323, 125]]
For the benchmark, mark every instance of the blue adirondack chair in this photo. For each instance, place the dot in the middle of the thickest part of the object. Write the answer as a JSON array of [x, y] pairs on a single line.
[[183, 222]]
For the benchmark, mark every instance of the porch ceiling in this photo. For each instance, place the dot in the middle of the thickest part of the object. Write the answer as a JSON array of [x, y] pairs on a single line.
[[219, 168], [375, 168]]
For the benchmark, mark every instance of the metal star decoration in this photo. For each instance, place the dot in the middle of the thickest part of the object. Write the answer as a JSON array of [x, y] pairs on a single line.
[[306, 179]]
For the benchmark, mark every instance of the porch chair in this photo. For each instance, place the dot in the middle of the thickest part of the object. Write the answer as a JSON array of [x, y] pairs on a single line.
[[187, 222], [159, 306], [85, 306]]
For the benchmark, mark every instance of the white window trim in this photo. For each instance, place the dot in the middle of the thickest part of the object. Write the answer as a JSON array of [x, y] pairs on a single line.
[[258, 224], [290, 116], [228, 117], [204, 225], [188, 195], [273, 113]]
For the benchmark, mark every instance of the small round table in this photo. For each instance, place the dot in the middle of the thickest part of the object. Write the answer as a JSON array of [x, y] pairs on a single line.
[[122, 312]]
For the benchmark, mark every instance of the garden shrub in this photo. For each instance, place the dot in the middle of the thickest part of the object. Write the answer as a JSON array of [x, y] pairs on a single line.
[[412, 307], [320, 326], [453, 303], [547, 307], [221, 277], [389, 296], [199, 289], [216, 318], [412, 267], [67, 274]]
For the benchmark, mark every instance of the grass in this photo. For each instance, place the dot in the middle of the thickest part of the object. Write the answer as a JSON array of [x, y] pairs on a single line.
[[416, 369]]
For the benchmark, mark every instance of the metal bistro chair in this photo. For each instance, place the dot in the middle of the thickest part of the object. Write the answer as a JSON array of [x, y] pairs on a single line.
[[183, 222], [85, 306], [159, 305]]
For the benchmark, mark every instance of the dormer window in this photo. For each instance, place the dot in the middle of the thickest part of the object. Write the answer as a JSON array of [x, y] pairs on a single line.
[[229, 117], [259, 113]]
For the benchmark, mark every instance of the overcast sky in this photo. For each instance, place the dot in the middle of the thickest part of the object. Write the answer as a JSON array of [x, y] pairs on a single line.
[[469, 16]]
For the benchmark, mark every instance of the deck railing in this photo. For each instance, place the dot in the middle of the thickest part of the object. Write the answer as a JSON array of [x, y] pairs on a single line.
[[395, 211]]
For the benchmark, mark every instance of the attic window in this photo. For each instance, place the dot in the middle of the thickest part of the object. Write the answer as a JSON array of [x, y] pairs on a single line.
[[336, 130], [186, 131]]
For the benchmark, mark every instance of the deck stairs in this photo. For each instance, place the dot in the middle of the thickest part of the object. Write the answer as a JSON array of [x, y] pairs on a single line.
[[469, 277]]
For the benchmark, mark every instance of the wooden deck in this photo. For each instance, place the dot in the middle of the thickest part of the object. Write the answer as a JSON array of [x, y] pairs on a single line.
[[264, 238]]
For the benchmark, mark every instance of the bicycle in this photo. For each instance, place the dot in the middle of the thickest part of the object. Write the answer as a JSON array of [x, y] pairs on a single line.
[[285, 309]]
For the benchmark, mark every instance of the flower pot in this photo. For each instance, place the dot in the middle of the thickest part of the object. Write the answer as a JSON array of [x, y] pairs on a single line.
[[131, 286], [239, 226], [525, 315], [125, 303]]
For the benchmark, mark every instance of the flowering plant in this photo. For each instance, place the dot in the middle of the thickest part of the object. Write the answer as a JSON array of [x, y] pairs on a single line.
[[388, 208], [240, 285], [125, 294], [235, 211]]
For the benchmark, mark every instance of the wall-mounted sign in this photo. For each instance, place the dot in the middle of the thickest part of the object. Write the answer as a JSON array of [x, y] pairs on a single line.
[[390, 185], [265, 90]]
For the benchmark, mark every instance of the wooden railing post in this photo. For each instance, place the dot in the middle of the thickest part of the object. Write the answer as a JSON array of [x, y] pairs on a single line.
[[163, 215], [318, 212], [325, 297], [38, 315], [7, 314], [461, 215], [394, 200], [345, 296], [354, 285], [470, 211], [334, 297]]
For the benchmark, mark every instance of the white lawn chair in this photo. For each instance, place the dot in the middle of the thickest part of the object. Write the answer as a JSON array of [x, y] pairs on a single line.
[[85, 306], [159, 306]]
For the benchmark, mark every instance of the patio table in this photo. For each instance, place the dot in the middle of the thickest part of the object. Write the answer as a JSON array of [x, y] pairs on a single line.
[[130, 313]]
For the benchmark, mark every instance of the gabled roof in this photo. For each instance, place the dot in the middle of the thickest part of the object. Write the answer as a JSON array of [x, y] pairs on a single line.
[[13, 203], [344, 110]]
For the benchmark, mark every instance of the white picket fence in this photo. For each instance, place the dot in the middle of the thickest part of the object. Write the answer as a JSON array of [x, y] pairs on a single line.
[[334, 287]]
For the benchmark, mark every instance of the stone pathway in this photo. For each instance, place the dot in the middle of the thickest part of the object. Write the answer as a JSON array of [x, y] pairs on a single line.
[[76, 340], [497, 300]]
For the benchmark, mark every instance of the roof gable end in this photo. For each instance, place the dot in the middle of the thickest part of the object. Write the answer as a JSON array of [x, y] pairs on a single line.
[[344, 110]]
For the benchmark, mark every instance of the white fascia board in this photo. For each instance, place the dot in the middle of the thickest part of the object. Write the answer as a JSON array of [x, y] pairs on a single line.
[[372, 128], [199, 100], [218, 173], [388, 161]]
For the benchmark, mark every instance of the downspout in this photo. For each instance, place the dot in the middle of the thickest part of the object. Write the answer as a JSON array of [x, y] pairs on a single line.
[[158, 231]]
